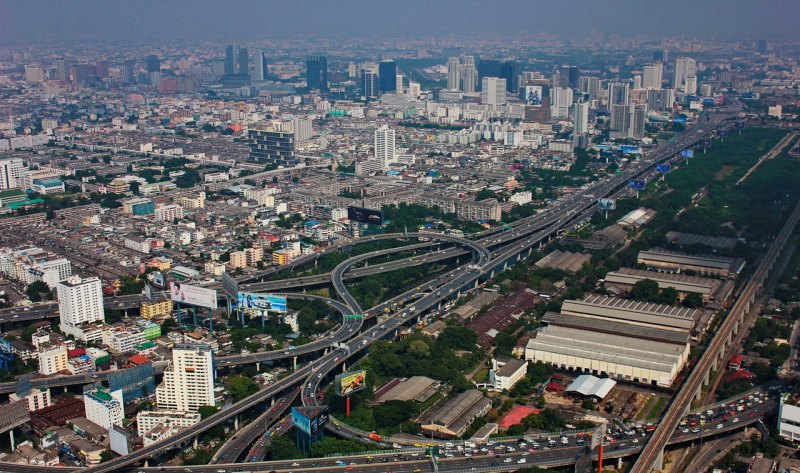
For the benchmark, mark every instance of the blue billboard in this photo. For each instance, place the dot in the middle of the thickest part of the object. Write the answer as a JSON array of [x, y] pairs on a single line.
[[708, 102], [630, 149], [607, 204], [705, 142], [309, 420], [260, 304], [687, 153], [663, 168], [636, 184], [739, 125], [722, 132], [681, 120]]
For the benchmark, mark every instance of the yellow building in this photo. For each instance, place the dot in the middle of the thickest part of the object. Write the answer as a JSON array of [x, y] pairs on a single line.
[[155, 309], [238, 259], [280, 257], [160, 264]]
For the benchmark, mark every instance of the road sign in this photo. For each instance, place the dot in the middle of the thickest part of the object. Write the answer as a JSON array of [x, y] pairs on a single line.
[[353, 316], [663, 168]]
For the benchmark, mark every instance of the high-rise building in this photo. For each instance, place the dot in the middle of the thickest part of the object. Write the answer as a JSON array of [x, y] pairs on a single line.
[[580, 118], [652, 76], [385, 151], [11, 173], [493, 91], [453, 74], [660, 100], [398, 85], [80, 301], [104, 408], [152, 63], [761, 46], [35, 74], [488, 68], [262, 67], [637, 82], [690, 85], [637, 121], [303, 128], [414, 89], [63, 67], [387, 72], [317, 73], [126, 71], [273, 147], [243, 62], [369, 84], [101, 68], [469, 75], [566, 76], [561, 102], [229, 63], [619, 121], [507, 72], [684, 67], [617, 93], [189, 380], [589, 85]]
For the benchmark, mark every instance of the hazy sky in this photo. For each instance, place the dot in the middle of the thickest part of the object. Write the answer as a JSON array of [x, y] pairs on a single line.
[[26, 21]]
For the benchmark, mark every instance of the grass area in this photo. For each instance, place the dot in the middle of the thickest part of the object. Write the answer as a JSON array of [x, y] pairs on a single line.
[[652, 408], [481, 376]]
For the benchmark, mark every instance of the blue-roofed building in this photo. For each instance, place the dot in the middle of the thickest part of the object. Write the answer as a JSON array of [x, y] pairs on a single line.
[[48, 186]]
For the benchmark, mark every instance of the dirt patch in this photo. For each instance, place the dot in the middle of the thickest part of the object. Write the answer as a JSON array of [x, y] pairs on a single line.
[[724, 172]]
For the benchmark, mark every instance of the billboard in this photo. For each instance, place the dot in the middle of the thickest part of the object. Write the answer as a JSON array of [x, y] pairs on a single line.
[[663, 168], [607, 204], [309, 420], [722, 133], [148, 292], [158, 279], [705, 142], [350, 382], [687, 153], [193, 295], [739, 125], [229, 285], [261, 304], [636, 184], [533, 95], [363, 215]]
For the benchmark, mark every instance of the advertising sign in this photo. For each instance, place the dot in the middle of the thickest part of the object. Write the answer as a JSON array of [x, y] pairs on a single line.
[[636, 184], [722, 133], [309, 420], [687, 153], [663, 168], [533, 94], [193, 295], [350, 382], [739, 125], [607, 204], [229, 285], [705, 142], [363, 215], [258, 304]]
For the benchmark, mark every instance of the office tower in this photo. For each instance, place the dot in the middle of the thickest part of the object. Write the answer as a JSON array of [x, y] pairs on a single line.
[[385, 146], [561, 100], [104, 408], [398, 82], [11, 173], [637, 121], [243, 62], [101, 69], [369, 84], [80, 73], [126, 71], [566, 76], [317, 73], [617, 93], [152, 63], [493, 91], [453, 74], [661, 56], [303, 128], [761, 46], [387, 73], [690, 85], [229, 67], [488, 68], [352, 70], [189, 380], [273, 147], [684, 67], [580, 118], [35, 74], [63, 67], [262, 67], [469, 75], [620, 121], [80, 301], [652, 76], [414, 89], [660, 100], [589, 85], [637, 82], [507, 72]]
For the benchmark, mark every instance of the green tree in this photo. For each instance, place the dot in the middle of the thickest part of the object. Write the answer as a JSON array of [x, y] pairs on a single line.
[[419, 349], [645, 290], [240, 387], [693, 300], [207, 411], [38, 290], [392, 413], [457, 338], [105, 456], [669, 296]]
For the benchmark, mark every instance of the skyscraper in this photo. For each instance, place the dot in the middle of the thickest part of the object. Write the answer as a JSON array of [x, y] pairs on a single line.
[[229, 67], [11, 173], [243, 62], [63, 67], [684, 67], [660, 100], [387, 72], [561, 102], [189, 380], [152, 63], [272, 147], [507, 72], [262, 67], [398, 84], [580, 119], [453, 74], [80, 301], [369, 84], [126, 71], [385, 146], [317, 73], [589, 85], [618, 109], [652, 76], [617, 93], [493, 91], [469, 74]]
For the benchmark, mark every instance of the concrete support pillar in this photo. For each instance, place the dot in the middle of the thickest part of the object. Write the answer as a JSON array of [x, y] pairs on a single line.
[[659, 463], [714, 363], [325, 352], [699, 394], [419, 318], [706, 378], [236, 423], [258, 366], [194, 443], [396, 333], [344, 367], [272, 402], [619, 463], [147, 463], [11, 435], [294, 363]]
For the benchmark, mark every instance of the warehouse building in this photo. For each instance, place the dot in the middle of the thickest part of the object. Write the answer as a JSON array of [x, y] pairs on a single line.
[[672, 262], [415, 388], [621, 339], [452, 418], [709, 289], [566, 261]]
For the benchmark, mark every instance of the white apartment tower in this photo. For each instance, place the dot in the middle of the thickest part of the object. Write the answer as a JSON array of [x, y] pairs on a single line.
[[80, 301], [469, 74], [494, 91], [10, 173], [652, 76], [189, 380], [580, 120], [104, 408], [684, 68], [453, 74], [385, 146]]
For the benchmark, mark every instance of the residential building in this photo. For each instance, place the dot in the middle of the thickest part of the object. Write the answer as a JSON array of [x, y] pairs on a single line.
[[122, 339], [493, 91], [10, 173], [156, 308], [238, 259], [385, 150], [652, 76], [104, 408], [168, 212], [197, 201], [52, 360], [138, 206], [148, 420], [189, 380], [273, 147], [453, 74], [80, 302], [37, 398]]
